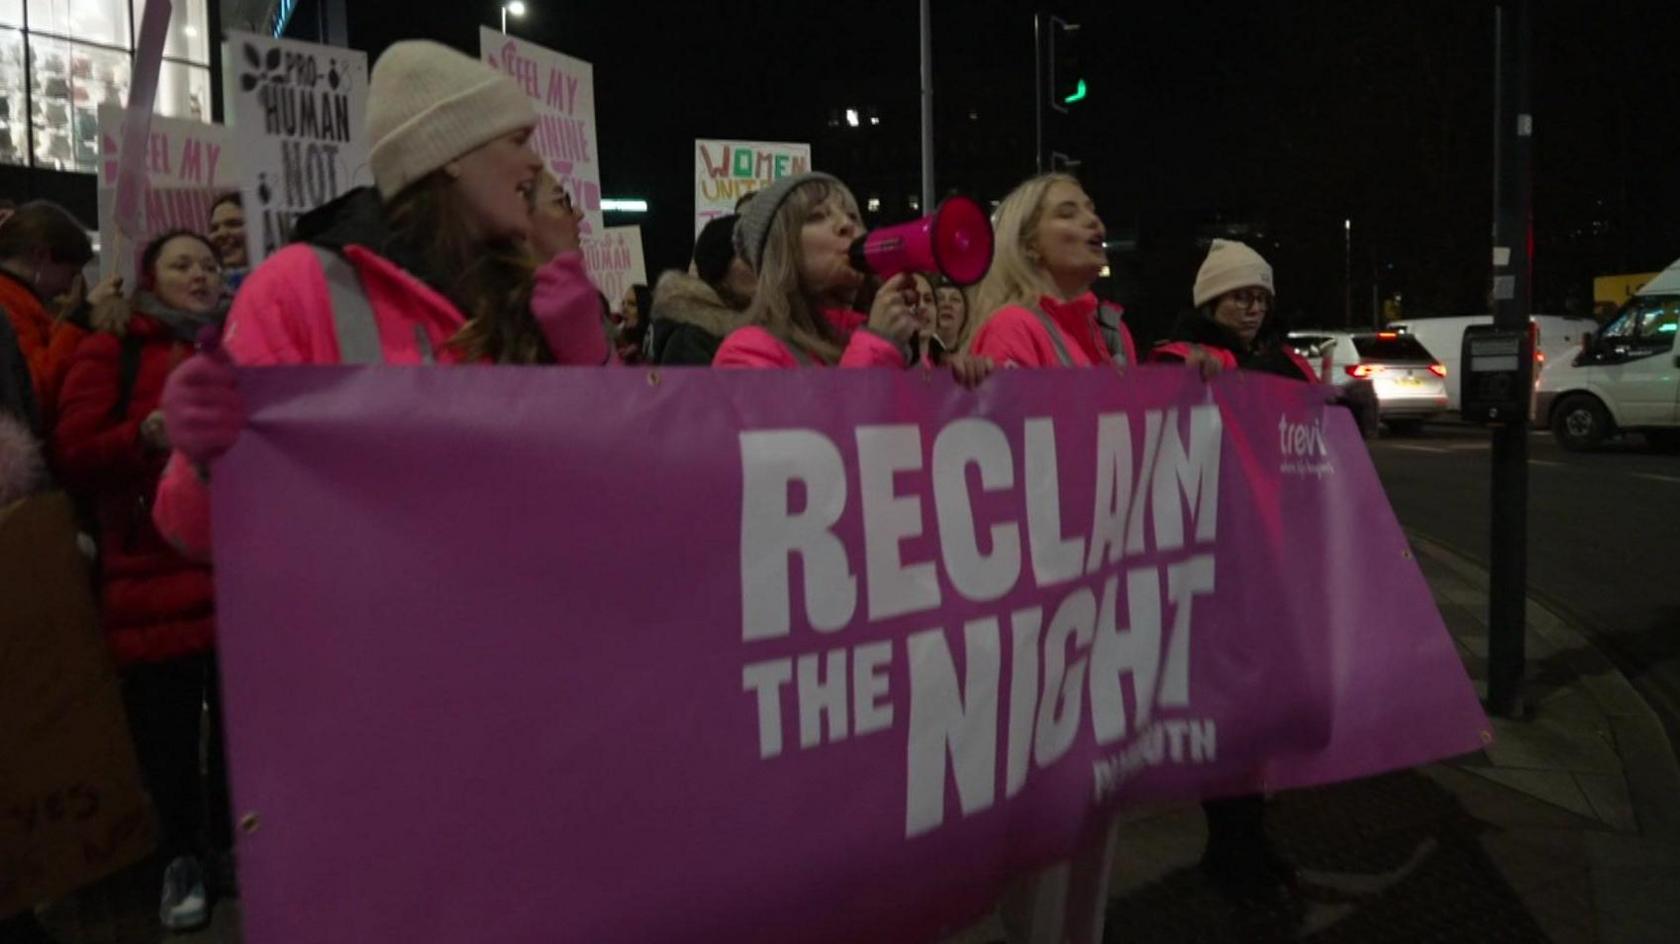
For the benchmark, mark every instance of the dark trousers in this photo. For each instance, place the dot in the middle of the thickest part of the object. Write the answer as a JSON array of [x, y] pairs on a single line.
[[166, 715], [22, 928], [1236, 822]]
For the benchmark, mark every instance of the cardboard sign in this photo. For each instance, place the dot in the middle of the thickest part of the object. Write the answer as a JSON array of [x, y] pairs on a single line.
[[562, 90], [72, 808], [726, 171], [188, 166], [298, 112], [615, 262]]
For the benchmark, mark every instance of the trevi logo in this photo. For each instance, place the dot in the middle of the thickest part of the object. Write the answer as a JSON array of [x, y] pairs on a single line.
[[1304, 447]]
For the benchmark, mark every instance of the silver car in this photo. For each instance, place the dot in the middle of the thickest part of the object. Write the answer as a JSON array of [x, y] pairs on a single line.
[[1409, 382]]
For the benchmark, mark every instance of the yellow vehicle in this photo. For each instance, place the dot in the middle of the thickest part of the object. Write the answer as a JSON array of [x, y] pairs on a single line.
[[1611, 292]]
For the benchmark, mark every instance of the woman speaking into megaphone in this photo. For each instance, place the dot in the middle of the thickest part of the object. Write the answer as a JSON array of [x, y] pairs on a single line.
[[797, 234], [1036, 306], [1036, 309]]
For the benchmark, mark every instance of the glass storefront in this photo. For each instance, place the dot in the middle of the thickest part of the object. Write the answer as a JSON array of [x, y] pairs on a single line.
[[61, 59]]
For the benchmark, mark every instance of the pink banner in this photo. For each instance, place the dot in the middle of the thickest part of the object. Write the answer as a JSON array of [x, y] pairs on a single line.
[[783, 655]]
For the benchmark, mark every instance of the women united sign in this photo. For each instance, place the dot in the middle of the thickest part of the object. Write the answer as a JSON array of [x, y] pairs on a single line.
[[726, 171]]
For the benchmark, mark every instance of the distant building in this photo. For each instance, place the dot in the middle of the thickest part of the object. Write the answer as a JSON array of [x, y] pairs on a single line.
[[59, 62], [871, 139]]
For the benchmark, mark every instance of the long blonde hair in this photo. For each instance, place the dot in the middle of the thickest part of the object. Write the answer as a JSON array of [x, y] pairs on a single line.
[[1014, 278], [782, 305]]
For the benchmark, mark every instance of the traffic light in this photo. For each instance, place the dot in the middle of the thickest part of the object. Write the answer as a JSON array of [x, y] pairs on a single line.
[[1067, 81]]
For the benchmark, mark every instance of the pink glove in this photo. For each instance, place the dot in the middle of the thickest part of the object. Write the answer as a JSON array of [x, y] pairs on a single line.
[[202, 408], [568, 309]]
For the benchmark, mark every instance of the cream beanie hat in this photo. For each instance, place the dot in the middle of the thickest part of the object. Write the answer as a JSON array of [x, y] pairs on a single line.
[[429, 104], [1231, 265]]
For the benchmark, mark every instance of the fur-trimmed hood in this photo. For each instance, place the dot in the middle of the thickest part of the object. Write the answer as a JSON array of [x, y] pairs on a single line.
[[684, 299], [22, 470]]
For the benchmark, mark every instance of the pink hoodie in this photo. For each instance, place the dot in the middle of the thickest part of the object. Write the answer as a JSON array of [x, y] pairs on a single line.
[[283, 315], [753, 346], [1015, 337]]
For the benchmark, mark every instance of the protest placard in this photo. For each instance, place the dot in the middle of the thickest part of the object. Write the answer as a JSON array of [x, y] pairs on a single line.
[[726, 171], [298, 114], [187, 164], [72, 807], [615, 262], [562, 90]]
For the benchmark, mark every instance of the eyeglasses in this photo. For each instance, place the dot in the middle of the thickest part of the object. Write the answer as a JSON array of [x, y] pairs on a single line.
[[1251, 298]]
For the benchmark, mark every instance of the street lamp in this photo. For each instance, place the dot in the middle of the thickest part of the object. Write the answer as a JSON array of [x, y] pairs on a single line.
[[1347, 272], [516, 8]]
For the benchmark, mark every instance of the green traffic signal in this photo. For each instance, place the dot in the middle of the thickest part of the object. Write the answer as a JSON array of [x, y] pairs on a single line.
[[1077, 96]]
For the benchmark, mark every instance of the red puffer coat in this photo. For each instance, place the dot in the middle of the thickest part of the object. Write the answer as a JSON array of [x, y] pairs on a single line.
[[155, 604]]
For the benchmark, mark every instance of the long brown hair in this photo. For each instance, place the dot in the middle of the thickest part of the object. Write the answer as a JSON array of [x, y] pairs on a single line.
[[782, 305], [489, 283]]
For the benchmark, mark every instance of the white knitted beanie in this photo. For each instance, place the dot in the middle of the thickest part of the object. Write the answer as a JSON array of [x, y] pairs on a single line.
[[1231, 265], [429, 104]]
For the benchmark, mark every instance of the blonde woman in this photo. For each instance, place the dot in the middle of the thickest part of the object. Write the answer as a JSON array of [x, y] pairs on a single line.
[[1036, 307], [951, 321]]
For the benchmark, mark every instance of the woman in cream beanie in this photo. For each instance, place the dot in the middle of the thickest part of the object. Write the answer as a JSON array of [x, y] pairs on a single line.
[[1233, 325], [429, 266]]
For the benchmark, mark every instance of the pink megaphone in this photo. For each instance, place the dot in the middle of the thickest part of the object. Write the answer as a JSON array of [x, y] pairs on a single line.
[[955, 241]]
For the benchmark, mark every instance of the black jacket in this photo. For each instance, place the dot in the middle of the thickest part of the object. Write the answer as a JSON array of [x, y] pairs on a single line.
[[689, 320], [17, 389], [355, 219], [358, 219], [1267, 354]]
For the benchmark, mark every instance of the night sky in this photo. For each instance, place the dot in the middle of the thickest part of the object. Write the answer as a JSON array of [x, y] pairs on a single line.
[[1285, 118]]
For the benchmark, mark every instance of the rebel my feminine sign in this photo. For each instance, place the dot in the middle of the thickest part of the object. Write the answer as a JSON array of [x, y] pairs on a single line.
[[188, 165], [562, 91]]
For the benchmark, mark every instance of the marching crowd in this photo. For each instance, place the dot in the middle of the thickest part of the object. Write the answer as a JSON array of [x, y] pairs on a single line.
[[466, 251]]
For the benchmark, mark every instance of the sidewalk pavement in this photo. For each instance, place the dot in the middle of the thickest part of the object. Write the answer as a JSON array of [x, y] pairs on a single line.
[[123, 909], [1565, 829]]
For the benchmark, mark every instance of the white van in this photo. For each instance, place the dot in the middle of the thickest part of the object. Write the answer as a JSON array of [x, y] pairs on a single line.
[[1627, 377], [1558, 336]]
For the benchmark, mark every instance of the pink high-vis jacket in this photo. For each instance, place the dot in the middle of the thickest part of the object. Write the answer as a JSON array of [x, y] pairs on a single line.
[[753, 346], [1022, 337], [283, 314]]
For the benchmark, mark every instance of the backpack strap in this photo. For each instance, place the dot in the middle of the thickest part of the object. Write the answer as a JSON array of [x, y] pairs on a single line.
[[128, 372], [353, 321], [1055, 335], [1111, 333], [423, 341]]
